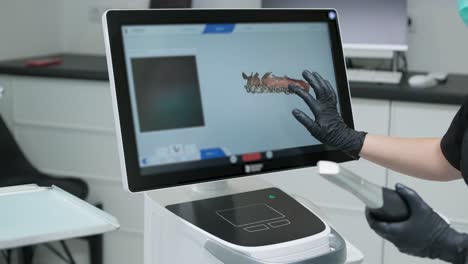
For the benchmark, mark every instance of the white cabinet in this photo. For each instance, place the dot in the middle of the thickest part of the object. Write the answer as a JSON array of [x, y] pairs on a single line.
[[65, 127], [426, 120], [76, 104]]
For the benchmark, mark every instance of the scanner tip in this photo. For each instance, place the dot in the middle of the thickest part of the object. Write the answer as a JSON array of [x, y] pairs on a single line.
[[328, 168]]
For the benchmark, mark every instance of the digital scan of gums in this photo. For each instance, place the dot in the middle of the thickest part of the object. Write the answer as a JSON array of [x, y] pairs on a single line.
[[271, 83]]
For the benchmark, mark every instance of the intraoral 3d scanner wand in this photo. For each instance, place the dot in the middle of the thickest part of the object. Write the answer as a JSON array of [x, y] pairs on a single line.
[[384, 204]]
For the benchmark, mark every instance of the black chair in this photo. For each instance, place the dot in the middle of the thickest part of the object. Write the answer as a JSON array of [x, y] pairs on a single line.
[[15, 169]]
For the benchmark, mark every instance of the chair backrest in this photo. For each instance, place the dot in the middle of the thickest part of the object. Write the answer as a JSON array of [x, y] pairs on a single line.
[[13, 162]]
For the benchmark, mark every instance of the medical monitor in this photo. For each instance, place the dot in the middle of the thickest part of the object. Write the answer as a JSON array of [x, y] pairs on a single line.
[[365, 24], [201, 95]]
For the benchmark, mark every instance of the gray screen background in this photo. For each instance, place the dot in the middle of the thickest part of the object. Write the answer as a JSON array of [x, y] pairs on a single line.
[[374, 22]]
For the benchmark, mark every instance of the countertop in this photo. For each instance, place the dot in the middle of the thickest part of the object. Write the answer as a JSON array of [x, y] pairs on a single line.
[[74, 66], [94, 67]]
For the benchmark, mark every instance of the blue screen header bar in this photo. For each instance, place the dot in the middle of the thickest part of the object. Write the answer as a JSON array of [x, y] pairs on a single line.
[[219, 29]]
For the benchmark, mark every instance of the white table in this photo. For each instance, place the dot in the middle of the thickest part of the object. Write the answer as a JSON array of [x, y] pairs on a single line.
[[33, 215]]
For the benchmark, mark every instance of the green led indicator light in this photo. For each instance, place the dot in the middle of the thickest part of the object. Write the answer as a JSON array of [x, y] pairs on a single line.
[[271, 196]]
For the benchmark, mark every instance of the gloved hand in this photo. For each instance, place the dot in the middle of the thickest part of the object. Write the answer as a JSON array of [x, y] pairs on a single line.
[[328, 126], [424, 234]]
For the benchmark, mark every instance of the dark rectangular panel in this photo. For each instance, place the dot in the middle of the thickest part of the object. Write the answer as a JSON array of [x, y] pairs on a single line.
[[166, 100], [170, 3]]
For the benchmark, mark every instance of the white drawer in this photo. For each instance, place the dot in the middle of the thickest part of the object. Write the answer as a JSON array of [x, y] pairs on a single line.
[[69, 103]]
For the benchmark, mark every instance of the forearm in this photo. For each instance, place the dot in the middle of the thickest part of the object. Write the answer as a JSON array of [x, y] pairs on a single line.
[[421, 158]]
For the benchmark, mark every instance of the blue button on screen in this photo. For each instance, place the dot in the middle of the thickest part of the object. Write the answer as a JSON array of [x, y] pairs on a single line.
[[218, 28], [212, 153]]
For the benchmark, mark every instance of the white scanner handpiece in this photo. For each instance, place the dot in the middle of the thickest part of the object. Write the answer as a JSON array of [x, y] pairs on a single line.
[[369, 193]]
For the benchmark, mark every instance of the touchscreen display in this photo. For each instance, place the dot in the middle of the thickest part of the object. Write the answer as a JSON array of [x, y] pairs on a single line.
[[213, 94]]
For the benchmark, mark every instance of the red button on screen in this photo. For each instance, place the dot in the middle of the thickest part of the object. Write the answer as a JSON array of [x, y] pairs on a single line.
[[252, 157]]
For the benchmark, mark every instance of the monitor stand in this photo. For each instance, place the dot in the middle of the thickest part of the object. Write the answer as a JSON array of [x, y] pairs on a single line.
[[211, 187], [207, 190]]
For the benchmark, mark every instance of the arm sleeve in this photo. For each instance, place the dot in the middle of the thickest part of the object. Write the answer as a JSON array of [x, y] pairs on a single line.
[[451, 143]]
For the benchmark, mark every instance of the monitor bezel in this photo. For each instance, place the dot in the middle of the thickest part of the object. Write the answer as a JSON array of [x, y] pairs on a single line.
[[113, 20]]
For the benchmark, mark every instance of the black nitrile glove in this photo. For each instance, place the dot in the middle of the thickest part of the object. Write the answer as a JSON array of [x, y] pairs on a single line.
[[424, 234], [328, 126]]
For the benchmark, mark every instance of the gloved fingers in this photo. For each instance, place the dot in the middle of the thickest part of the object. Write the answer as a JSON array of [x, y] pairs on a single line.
[[408, 251], [412, 198], [321, 81], [315, 83], [307, 97], [307, 122], [370, 218], [322, 87], [383, 229], [333, 93]]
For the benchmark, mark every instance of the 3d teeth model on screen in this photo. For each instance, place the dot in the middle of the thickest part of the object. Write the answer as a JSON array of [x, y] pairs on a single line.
[[271, 83]]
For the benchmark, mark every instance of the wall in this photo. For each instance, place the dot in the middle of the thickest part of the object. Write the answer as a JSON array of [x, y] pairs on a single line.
[[82, 29], [84, 36], [226, 3], [436, 28], [29, 27], [440, 38], [437, 43]]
